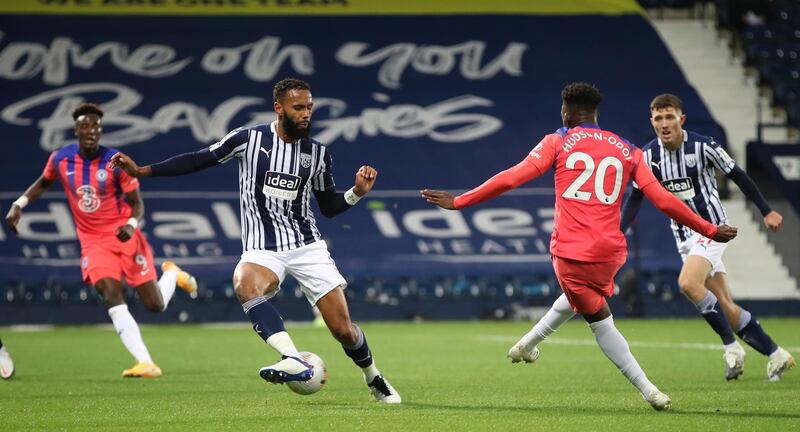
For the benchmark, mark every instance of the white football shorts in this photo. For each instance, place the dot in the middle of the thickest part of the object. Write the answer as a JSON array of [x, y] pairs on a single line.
[[311, 265], [706, 248]]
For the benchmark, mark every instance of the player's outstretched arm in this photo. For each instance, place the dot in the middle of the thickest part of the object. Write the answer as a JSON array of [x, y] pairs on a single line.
[[443, 199], [33, 193], [500, 183], [772, 219], [184, 163], [675, 208], [127, 164]]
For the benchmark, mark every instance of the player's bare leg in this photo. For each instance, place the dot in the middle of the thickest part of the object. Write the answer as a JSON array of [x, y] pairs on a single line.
[[333, 308], [616, 348], [749, 328], [127, 329], [692, 282], [251, 282], [151, 296]]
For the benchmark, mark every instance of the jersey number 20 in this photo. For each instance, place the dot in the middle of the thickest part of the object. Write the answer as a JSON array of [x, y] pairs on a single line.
[[573, 191]]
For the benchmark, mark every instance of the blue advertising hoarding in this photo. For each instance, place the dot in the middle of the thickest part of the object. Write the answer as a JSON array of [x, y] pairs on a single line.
[[431, 101]]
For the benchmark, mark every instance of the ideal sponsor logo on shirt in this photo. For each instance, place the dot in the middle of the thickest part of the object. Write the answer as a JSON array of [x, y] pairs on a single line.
[[683, 188], [281, 185], [576, 137]]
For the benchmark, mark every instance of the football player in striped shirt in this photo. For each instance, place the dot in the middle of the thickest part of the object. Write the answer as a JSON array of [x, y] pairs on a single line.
[[685, 163], [592, 167], [107, 208], [280, 168]]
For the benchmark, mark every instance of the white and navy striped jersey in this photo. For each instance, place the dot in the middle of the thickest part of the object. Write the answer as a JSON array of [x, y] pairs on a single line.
[[276, 180], [689, 174]]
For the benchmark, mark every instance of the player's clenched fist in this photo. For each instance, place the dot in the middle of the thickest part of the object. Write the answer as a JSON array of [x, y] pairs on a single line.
[[773, 220], [725, 233], [125, 232], [365, 179]]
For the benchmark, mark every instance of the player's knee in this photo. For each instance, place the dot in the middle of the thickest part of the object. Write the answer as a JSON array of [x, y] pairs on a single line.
[[154, 305], [247, 289], [112, 296], [690, 287]]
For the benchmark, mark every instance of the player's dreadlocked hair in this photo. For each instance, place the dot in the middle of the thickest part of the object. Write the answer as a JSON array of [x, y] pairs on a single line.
[[86, 108], [286, 84], [581, 96], [666, 100]]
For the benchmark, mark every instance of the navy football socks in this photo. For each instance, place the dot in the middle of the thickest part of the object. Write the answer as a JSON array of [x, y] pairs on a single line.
[[359, 352], [265, 318], [716, 319], [750, 330]]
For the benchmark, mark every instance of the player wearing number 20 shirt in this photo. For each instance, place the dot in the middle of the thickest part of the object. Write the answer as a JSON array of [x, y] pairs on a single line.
[[592, 167]]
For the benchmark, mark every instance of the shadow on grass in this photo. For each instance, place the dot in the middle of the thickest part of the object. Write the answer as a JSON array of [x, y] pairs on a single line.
[[549, 410], [599, 411], [736, 414]]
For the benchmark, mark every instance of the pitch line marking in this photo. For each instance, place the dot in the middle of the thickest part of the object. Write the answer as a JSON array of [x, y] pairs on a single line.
[[638, 344]]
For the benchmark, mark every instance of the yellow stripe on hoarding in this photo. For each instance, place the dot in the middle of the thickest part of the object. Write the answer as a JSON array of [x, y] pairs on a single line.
[[318, 7]]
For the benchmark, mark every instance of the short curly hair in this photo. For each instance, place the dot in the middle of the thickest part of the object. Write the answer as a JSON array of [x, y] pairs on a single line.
[[581, 95], [283, 86], [86, 108]]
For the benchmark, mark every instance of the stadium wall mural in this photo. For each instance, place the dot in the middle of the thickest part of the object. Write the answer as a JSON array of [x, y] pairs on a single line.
[[432, 101]]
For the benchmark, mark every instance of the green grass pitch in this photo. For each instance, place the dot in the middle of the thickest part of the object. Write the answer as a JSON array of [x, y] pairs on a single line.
[[451, 375]]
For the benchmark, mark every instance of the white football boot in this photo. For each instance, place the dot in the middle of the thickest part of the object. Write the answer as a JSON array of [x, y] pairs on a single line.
[[779, 362], [659, 400], [383, 391], [288, 369], [519, 352], [734, 361]]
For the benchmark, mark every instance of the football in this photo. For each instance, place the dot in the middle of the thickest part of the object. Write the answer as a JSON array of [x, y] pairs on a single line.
[[317, 381]]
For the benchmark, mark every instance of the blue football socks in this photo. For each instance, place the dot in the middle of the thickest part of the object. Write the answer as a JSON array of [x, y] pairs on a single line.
[[750, 330], [359, 352], [265, 318], [716, 319]]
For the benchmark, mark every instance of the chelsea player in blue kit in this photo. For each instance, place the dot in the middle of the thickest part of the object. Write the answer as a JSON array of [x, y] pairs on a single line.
[[685, 163], [279, 168]]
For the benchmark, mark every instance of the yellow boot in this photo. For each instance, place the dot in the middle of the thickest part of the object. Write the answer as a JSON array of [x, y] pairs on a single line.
[[185, 281], [142, 370]]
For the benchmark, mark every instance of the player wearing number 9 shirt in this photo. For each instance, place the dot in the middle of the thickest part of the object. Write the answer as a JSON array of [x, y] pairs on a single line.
[[592, 167], [107, 208]]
